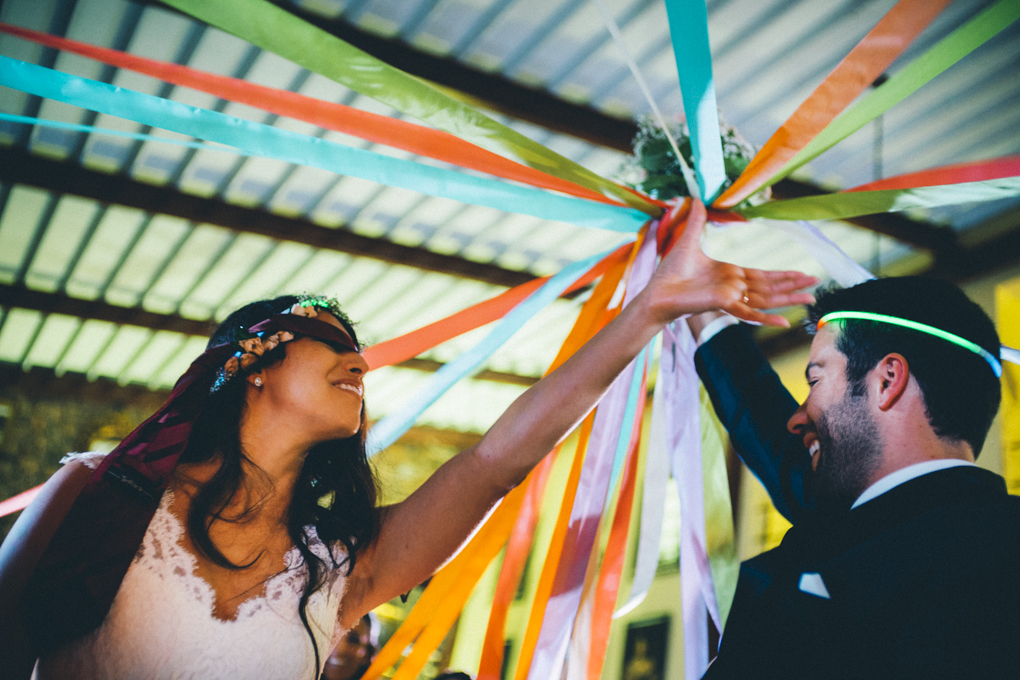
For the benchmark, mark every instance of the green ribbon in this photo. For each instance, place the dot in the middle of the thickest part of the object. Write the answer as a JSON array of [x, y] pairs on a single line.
[[905, 82], [276, 30], [720, 541], [854, 203]]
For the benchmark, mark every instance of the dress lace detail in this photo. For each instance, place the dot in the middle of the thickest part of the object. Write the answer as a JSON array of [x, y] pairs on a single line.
[[91, 459], [161, 624]]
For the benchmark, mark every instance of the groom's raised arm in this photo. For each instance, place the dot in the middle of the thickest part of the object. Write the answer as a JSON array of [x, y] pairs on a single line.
[[754, 406]]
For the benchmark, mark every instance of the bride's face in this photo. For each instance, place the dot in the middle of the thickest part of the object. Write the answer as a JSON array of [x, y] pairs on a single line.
[[317, 387]]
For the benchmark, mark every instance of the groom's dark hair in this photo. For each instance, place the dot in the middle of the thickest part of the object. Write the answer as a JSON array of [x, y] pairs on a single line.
[[961, 392]]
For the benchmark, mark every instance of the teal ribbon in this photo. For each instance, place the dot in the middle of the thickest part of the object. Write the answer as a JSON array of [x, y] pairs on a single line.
[[627, 428], [390, 428], [688, 26], [256, 139]]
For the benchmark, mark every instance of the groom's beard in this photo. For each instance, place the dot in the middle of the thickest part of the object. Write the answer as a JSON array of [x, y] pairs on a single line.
[[850, 451]]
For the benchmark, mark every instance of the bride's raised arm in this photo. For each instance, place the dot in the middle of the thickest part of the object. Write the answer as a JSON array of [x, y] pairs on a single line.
[[419, 534]]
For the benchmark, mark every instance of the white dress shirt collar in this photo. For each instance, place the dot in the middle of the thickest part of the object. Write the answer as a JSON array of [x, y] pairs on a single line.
[[894, 479]]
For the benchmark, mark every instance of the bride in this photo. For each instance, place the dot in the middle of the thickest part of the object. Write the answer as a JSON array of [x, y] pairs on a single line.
[[236, 533]]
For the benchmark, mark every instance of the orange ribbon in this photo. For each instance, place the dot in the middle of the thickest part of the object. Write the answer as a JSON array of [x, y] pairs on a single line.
[[446, 587], [412, 344], [855, 73], [511, 572]]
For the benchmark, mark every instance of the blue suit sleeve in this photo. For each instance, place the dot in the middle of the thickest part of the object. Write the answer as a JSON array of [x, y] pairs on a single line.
[[754, 406]]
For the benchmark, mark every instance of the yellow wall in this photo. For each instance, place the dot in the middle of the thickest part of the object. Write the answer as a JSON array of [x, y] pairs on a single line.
[[1007, 303]]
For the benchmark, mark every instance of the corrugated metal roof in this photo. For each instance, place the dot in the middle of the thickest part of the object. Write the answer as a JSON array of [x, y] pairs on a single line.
[[768, 55]]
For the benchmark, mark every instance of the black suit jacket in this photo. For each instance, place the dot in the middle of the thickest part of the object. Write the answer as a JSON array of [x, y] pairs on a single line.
[[923, 581]]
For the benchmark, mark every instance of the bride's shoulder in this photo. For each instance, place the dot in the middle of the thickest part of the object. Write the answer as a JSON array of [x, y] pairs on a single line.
[[89, 459]]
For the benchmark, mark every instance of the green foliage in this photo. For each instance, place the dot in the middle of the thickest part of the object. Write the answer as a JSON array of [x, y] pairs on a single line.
[[655, 170]]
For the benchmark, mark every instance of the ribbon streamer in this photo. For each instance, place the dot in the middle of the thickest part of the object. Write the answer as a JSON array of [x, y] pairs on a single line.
[[551, 647], [264, 140], [91, 129], [434, 615], [653, 505], [854, 203], [978, 171], [595, 615], [390, 428], [546, 579], [450, 587], [836, 263], [855, 73], [276, 30], [412, 344], [680, 383], [585, 326], [688, 27], [19, 502], [635, 397], [399, 134], [905, 82], [720, 542], [550, 567]]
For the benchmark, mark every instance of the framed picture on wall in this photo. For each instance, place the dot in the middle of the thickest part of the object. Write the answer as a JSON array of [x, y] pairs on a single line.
[[644, 654]]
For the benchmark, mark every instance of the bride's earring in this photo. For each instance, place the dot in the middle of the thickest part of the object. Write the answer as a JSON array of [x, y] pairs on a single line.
[[258, 382]]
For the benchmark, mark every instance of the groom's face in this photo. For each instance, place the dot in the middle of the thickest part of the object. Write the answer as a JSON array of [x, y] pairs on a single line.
[[837, 427]]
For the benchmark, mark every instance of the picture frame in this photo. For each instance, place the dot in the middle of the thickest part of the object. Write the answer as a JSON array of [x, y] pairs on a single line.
[[645, 649]]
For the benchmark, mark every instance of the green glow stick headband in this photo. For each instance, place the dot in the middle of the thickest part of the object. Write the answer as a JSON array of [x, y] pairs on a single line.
[[924, 328]]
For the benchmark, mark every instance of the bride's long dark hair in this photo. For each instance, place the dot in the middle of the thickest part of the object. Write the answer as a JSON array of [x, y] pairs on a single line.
[[335, 492]]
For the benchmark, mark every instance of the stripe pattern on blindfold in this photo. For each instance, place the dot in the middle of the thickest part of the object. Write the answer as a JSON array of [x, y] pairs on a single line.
[[74, 584]]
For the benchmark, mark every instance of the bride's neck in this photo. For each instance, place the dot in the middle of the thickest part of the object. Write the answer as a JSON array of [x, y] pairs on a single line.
[[260, 496]]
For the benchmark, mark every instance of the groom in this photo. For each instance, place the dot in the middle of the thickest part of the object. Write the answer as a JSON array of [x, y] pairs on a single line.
[[904, 557]]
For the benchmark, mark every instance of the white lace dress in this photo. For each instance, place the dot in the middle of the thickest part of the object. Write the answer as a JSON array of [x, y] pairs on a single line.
[[161, 624]]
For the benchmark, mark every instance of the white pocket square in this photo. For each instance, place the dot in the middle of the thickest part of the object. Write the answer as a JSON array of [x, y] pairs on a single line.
[[812, 584]]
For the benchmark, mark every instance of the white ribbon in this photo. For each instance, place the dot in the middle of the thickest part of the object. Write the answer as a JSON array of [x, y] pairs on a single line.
[[836, 263], [653, 503], [683, 437], [614, 30]]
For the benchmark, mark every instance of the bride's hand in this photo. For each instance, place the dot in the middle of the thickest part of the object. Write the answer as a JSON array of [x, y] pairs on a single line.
[[689, 282]]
